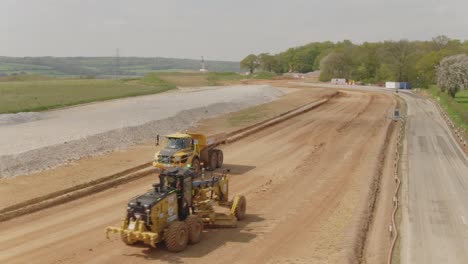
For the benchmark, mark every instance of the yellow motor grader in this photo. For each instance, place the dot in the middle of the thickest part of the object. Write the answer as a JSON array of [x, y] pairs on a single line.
[[177, 208], [194, 149]]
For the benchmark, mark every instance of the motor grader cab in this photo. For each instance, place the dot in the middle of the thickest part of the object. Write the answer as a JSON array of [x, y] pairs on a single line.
[[177, 208], [196, 150]]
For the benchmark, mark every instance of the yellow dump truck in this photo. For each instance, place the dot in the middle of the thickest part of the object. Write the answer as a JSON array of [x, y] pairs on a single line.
[[194, 149]]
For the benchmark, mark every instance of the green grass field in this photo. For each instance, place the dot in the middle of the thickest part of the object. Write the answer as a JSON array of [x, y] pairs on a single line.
[[457, 108], [39, 95]]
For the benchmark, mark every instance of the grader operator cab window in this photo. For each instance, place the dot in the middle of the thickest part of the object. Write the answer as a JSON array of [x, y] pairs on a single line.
[[167, 182]]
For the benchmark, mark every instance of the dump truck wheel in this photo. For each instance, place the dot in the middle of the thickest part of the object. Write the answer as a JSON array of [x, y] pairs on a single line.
[[220, 158], [213, 159], [195, 227], [241, 207], [177, 236], [196, 166], [125, 239]]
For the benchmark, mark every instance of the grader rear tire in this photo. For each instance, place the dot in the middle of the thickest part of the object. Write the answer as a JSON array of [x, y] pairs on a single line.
[[195, 227], [213, 159], [241, 207], [220, 158], [177, 236]]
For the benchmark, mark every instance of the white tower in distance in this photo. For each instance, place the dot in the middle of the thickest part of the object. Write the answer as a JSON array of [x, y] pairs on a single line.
[[203, 69]]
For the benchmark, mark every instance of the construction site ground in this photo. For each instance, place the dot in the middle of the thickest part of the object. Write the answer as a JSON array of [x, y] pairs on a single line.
[[309, 182], [22, 188]]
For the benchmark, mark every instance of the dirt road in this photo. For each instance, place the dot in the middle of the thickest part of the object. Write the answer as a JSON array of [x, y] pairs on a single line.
[[435, 215], [306, 181]]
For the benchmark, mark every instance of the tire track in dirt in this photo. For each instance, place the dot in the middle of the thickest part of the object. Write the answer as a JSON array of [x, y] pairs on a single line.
[[361, 111]]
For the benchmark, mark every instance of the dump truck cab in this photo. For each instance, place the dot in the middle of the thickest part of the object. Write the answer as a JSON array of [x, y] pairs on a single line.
[[178, 151], [194, 149]]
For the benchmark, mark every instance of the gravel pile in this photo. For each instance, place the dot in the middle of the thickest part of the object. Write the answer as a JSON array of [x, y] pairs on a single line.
[[59, 146]]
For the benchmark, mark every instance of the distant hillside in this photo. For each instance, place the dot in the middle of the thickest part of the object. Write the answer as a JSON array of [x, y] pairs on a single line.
[[102, 66]]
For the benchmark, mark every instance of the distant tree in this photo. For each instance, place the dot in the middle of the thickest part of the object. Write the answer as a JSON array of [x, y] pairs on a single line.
[[268, 62], [452, 74], [250, 63], [384, 73], [440, 42], [335, 65], [397, 55], [426, 68], [465, 47], [412, 61], [365, 61], [427, 64]]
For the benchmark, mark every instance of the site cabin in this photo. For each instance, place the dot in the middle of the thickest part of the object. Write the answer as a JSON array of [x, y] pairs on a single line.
[[338, 81], [397, 85]]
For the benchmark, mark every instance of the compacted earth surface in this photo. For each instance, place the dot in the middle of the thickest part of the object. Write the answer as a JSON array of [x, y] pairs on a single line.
[[308, 182]]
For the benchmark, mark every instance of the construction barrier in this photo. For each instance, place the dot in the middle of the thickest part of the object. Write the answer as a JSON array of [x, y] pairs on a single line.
[[393, 229]]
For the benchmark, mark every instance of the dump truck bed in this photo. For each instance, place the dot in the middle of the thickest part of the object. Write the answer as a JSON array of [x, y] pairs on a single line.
[[204, 140]]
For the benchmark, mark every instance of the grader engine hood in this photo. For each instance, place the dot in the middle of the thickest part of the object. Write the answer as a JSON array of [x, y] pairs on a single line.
[[146, 216], [142, 204]]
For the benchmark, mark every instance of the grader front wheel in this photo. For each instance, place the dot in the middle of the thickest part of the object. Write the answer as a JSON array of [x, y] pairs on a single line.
[[177, 236], [241, 207], [127, 241], [195, 227]]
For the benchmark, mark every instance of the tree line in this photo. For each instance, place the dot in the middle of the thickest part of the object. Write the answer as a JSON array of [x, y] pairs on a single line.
[[370, 62]]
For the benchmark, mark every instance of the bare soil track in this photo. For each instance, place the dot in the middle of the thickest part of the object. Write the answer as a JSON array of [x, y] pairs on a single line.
[[306, 181]]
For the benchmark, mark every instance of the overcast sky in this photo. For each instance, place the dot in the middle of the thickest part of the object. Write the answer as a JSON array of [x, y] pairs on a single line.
[[217, 29]]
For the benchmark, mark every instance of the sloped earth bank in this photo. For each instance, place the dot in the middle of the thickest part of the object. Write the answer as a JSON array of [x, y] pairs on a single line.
[[306, 181], [36, 141]]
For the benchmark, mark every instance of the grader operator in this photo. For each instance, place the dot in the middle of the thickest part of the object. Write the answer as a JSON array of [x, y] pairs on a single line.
[[196, 150], [176, 210]]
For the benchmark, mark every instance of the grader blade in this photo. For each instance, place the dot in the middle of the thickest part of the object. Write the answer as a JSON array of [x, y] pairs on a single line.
[[221, 220]]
